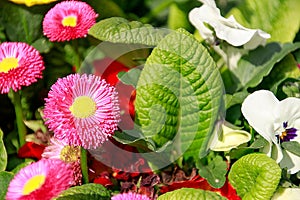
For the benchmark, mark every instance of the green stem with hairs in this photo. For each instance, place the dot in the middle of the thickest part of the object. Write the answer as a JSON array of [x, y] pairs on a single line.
[[16, 100], [84, 165]]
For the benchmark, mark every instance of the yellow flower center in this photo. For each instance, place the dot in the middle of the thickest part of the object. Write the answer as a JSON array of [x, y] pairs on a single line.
[[69, 21], [33, 184], [7, 64], [83, 107], [70, 154]]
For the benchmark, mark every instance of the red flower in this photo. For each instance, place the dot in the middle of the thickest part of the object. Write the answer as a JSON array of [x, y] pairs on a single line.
[[31, 150], [104, 180], [109, 69]]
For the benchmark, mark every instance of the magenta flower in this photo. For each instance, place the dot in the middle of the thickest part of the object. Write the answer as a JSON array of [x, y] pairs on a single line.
[[20, 65], [130, 196], [82, 110], [44, 179], [69, 20]]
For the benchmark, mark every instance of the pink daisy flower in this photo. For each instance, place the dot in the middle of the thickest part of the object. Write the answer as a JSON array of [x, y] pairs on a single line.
[[44, 179], [130, 196], [82, 110], [69, 20], [20, 65], [69, 154]]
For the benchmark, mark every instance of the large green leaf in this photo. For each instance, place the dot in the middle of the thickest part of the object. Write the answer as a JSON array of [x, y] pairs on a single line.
[[258, 63], [3, 154], [21, 24], [190, 193], [179, 95], [255, 176], [5, 178], [280, 18], [120, 30], [85, 192]]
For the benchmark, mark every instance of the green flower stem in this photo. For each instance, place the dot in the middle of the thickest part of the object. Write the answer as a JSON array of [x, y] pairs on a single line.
[[77, 58], [84, 166], [19, 117]]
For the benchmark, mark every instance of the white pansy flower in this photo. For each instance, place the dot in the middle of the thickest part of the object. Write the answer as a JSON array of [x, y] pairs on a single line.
[[227, 29], [276, 121]]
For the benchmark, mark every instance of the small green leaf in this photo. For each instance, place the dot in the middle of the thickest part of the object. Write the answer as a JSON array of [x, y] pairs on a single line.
[[3, 153], [255, 176], [258, 63], [292, 146], [236, 98], [131, 77], [280, 18], [120, 30], [85, 192], [189, 194], [179, 95], [292, 89], [43, 45], [213, 171], [259, 143], [5, 178]]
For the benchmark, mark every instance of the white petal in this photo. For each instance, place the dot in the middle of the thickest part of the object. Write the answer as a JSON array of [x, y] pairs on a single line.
[[258, 110], [231, 139], [286, 193], [290, 161], [226, 29], [288, 110]]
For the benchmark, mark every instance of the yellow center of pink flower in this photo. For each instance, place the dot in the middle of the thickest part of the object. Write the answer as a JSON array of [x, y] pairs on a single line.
[[7, 64], [33, 184], [70, 154], [69, 21], [83, 107]]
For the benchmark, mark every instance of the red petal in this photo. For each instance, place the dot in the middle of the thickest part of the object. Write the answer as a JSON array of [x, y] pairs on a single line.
[[31, 150]]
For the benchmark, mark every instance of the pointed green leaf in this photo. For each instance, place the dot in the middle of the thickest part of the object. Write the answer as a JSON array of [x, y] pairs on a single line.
[[179, 95], [120, 30], [258, 63], [190, 193], [5, 178], [3, 154], [255, 176], [292, 146], [280, 18], [85, 192], [214, 171]]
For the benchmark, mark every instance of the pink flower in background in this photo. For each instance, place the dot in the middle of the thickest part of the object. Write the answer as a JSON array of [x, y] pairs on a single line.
[[82, 110], [130, 196], [20, 65], [44, 179], [69, 20]]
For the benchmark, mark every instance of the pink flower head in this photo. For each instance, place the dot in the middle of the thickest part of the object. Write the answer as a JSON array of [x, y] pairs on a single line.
[[44, 179], [82, 110], [20, 65], [130, 196], [69, 20], [69, 154]]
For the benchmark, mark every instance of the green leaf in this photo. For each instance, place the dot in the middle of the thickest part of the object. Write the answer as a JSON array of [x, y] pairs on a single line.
[[179, 95], [236, 98], [106, 8], [85, 192], [255, 176], [43, 45], [120, 30], [131, 77], [259, 143], [280, 18], [258, 63], [190, 193], [3, 153], [213, 171], [292, 146], [20, 24], [178, 17], [5, 178]]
